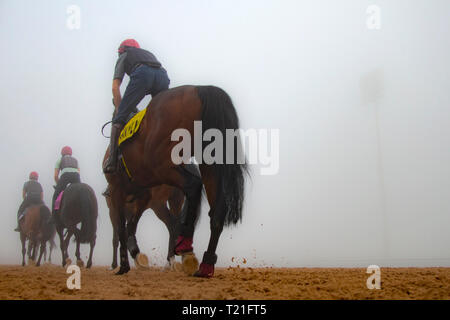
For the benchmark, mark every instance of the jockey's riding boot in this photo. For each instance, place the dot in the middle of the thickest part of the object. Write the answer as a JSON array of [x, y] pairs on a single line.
[[111, 162]]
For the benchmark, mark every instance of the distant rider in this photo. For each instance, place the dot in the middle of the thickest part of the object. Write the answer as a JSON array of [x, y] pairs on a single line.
[[32, 194], [67, 166], [147, 76]]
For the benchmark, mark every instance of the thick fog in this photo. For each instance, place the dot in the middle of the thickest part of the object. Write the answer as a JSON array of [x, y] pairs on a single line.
[[360, 96]]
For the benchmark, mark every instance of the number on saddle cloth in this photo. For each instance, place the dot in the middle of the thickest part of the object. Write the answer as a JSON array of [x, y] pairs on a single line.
[[132, 126]]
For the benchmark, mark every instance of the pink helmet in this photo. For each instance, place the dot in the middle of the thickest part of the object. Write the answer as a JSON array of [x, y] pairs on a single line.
[[128, 43], [34, 175], [66, 151]]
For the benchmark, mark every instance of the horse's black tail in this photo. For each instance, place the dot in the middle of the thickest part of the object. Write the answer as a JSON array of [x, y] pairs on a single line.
[[219, 113], [88, 206]]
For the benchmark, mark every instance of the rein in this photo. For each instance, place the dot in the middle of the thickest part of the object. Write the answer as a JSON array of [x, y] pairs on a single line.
[[103, 128]]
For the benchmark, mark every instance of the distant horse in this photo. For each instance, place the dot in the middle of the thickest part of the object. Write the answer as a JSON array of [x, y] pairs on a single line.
[[166, 202], [35, 228], [78, 205], [148, 159]]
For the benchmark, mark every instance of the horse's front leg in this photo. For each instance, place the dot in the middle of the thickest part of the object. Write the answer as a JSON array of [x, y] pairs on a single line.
[[140, 259], [122, 231], [50, 252], [115, 244], [132, 245]]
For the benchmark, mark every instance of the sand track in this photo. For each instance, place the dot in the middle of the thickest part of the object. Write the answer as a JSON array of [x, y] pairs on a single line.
[[49, 282]]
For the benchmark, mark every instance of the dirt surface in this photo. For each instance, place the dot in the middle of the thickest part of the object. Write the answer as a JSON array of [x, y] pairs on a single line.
[[49, 282]]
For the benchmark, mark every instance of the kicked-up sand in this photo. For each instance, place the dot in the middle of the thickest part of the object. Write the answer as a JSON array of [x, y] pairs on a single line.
[[49, 282]]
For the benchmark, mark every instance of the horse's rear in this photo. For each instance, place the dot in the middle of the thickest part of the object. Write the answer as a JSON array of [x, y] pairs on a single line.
[[149, 159], [36, 228], [79, 205]]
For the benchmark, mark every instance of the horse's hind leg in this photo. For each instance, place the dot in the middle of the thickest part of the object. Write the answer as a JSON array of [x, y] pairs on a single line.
[[91, 251], [66, 259], [24, 250], [192, 187], [80, 262], [216, 202], [29, 251]]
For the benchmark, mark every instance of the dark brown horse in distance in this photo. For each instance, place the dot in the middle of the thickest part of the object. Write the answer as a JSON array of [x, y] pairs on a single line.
[[148, 157], [35, 228], [166, 203], [78, 205]]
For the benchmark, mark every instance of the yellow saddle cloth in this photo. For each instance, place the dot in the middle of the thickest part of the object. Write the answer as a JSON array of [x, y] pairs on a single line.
[[132, 126]]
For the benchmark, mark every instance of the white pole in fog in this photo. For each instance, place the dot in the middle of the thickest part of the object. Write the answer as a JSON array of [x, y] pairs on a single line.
[[371, 89]]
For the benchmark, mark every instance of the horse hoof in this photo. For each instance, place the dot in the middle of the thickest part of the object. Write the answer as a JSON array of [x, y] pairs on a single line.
[[122, 270], [80, 263], [189, 263], [141, 261], [205, 271], [89, 265], [31, 262], [177, 266], [68, 262]]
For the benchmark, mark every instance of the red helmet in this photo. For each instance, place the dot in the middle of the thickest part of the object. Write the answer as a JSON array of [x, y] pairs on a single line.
[[34, 175], [66, 151], [128, 43]]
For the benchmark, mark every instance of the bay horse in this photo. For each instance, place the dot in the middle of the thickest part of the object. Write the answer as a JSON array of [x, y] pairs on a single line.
[[148, 158], [166, 202], [35, 228], [78, 205]]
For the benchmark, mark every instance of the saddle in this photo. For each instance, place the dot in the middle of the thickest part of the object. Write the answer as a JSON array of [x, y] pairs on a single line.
[[59, 199]]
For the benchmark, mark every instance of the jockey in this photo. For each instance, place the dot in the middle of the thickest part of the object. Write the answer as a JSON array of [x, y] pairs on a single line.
[[70, 173], [147, 76], [32, 194]]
